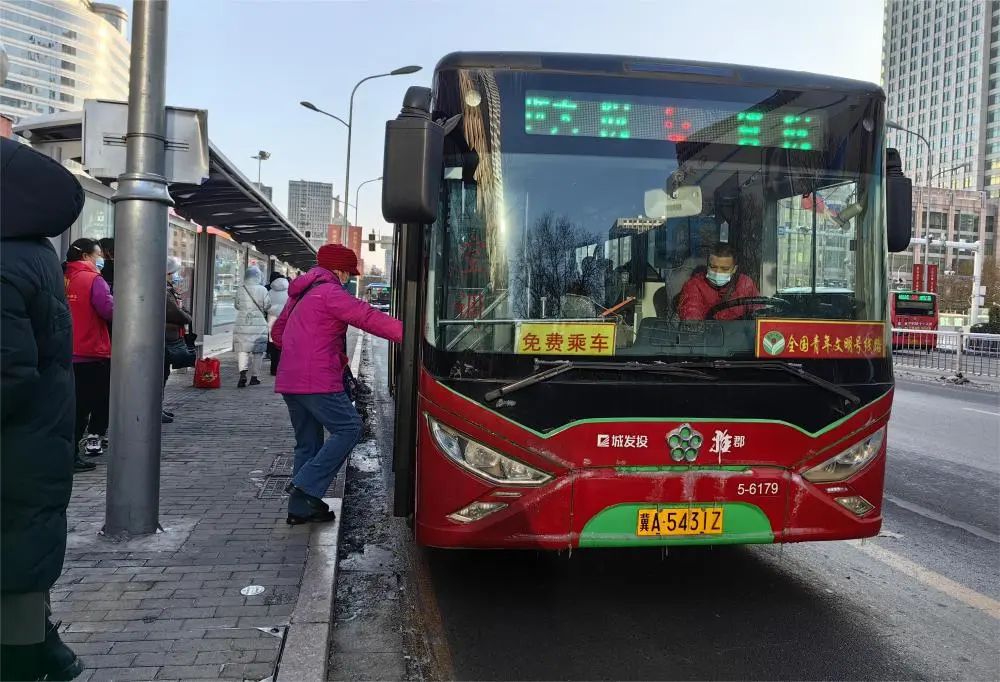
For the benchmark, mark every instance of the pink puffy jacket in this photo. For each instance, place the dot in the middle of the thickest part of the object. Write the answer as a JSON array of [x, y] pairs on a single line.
[[312, 333]]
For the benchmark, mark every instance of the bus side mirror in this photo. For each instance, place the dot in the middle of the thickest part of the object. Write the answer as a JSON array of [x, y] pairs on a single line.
[[411, 170], [898, 203]]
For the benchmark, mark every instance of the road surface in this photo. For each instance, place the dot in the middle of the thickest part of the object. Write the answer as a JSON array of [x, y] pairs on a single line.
[[921, 602]]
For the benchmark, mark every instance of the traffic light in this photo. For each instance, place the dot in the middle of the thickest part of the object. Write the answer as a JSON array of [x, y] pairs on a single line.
[[371, 240]]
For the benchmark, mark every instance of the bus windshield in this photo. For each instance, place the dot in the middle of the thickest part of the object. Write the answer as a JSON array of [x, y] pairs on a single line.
[[580, 199]]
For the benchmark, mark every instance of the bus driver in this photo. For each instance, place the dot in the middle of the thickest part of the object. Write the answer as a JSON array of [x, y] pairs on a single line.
[[721, 282]]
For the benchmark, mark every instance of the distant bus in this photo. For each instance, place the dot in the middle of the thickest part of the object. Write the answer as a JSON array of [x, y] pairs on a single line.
[[917, 310], [379, 295]]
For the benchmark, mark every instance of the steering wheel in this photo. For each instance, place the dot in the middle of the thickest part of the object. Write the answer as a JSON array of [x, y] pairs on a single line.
[[760, 303]]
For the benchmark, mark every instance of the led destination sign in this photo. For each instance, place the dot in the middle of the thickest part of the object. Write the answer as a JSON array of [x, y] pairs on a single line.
[[674, 120]]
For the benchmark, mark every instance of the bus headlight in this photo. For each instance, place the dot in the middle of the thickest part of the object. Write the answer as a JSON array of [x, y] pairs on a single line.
[[847, 462], [484, 461]]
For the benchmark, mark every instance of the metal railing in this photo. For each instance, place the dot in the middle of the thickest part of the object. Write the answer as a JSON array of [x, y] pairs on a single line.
[[952, 352]]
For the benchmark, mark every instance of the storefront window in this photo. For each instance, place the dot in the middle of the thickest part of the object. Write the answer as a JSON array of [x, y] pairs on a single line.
[[181, 245], [261, 261], [228, 275], [96, 220]]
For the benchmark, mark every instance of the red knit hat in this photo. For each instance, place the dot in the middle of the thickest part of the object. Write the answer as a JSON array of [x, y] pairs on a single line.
[[337, 257]]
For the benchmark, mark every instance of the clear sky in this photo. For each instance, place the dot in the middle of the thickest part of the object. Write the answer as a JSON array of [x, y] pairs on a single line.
[[250, 63]]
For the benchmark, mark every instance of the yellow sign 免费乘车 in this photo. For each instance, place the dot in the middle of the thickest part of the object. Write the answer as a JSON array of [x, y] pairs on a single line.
[[565, 338]]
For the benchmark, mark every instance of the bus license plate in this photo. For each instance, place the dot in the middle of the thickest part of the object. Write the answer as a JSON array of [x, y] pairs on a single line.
[[679, 521]]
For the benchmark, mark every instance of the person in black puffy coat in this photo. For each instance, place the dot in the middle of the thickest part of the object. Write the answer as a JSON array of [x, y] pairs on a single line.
[[38, 199]]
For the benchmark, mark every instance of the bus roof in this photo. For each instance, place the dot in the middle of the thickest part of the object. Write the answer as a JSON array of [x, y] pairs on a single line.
[[647, 66]]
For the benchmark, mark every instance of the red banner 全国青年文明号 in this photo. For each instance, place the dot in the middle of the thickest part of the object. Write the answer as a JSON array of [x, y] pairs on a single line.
[[833, 339]]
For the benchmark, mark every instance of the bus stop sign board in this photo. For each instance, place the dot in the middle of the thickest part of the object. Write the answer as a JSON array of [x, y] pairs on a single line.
[[105, 124]]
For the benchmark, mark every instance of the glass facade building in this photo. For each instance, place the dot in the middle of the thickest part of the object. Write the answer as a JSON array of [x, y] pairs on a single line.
[[941, 74], [60, 53]]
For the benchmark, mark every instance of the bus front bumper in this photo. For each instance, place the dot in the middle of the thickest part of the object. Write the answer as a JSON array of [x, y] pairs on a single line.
[[602, 507]]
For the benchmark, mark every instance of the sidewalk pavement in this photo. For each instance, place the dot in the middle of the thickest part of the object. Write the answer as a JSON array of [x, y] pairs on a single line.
[[211, 596]]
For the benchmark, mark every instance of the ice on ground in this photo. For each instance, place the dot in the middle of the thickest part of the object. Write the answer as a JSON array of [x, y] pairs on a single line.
[[365, 457]]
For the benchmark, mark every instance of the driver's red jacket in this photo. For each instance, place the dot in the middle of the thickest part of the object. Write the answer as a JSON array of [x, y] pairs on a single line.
[[698, 296]]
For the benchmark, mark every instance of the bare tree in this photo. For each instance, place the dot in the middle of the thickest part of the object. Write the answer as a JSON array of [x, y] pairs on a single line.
[[547, 268], [955, 291]]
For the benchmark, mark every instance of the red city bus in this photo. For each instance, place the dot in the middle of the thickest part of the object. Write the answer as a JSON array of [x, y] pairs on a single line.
[[549, 210], [916, 310]]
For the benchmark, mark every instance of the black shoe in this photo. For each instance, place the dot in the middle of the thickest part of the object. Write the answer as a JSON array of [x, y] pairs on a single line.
[[254, 381], [315, 517], [242, 383], [58, 661], [166, 418], [168, 413], [316, 503], [83, 465], [48, 660]]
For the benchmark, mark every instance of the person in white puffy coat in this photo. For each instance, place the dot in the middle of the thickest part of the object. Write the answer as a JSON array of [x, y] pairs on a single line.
[[250, 333], [279, 296]]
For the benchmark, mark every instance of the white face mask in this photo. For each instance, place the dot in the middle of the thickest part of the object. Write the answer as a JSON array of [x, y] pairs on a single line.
[[719, 279]]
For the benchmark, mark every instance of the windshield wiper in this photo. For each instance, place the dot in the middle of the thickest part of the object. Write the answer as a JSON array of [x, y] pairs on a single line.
[[557, 367], [776, 365]]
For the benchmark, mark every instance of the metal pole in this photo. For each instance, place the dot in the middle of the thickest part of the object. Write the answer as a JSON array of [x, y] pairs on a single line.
[[977, 279], [350, 130], [357, 196], [347, 169], [133, 490]]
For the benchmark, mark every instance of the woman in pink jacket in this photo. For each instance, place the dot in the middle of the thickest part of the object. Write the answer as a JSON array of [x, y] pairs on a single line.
[[312, 335]]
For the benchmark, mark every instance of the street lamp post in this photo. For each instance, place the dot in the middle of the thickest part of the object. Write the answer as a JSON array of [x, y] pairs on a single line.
[[357, 196], [927, 208], [401, 71], [260, 157]]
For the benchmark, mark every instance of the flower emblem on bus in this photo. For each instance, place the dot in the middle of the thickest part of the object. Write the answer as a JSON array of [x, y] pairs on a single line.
[[684, 443], [774, 342]]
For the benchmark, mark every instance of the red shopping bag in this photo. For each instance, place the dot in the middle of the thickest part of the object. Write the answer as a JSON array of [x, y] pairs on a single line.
[[207, 373]]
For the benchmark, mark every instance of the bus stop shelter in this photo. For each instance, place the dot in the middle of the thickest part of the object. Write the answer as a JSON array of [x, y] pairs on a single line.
[[217, 226]]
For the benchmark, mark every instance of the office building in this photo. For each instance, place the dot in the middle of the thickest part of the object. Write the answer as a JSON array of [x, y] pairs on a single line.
[[940, 73], [956, 216], [310, 208], [61, 52], [265, 190]]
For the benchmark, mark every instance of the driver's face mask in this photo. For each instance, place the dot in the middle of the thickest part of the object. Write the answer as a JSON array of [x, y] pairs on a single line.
[[719, 279], [720, 270]]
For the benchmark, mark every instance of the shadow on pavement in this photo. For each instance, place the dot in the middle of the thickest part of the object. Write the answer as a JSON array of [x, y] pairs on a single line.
[[718, 613]]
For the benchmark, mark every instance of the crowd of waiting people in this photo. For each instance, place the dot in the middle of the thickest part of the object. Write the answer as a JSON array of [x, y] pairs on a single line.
[[57, 340]]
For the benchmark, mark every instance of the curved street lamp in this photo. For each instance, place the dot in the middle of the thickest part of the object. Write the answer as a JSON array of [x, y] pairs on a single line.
[[357, 196], [260, 157], [401, 71]]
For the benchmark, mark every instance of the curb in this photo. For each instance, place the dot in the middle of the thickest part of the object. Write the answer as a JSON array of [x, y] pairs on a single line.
[[305, 654]]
